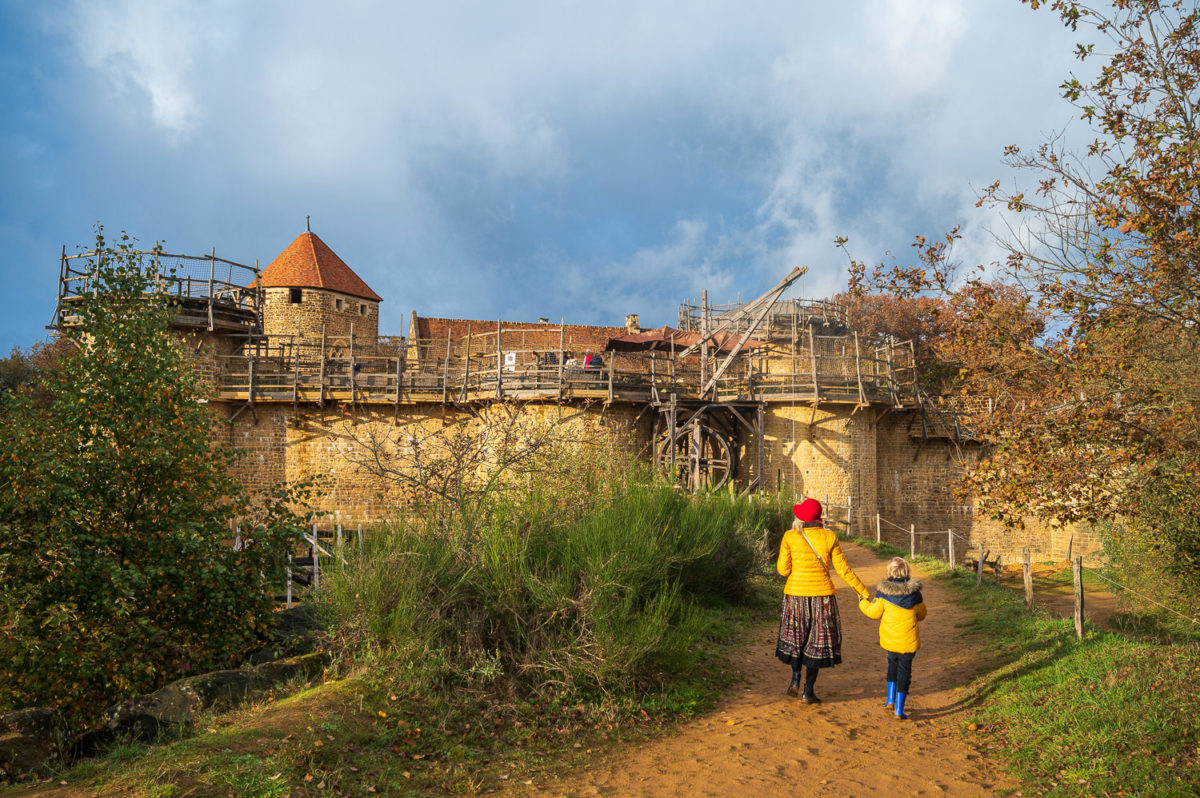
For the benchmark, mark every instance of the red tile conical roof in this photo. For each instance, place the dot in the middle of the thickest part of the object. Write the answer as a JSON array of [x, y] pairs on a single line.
[[308, 262]]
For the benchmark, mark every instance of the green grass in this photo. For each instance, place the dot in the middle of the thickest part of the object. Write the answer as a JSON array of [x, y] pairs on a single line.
[[1106, 715]]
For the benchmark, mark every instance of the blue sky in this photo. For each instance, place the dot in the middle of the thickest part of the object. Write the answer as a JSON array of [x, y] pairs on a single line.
[[515, 160]]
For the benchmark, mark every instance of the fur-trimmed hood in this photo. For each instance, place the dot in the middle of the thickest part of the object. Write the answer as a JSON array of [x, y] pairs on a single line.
[[904, 593]]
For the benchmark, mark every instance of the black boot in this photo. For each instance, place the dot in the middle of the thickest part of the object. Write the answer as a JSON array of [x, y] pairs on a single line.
[[794, 687], [809, 696]]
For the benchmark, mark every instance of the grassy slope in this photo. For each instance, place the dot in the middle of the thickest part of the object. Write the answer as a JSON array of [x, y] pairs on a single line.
[[371, 733], [1106, 715]]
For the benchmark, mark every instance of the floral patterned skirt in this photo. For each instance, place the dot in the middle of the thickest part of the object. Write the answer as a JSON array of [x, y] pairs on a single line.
[[810, 632]]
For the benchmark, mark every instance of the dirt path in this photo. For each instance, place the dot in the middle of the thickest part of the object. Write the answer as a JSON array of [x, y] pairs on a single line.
[[763, 742]]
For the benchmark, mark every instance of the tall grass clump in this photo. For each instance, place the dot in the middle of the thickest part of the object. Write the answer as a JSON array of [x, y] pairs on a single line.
[[597, 587]]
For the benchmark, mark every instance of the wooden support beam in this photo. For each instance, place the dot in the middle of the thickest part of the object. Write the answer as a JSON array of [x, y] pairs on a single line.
[[562, 353], [892, 374], [351, 366], [446, 366], [770, 297], [499, 364], [612, 364], [768, 301], [703, 340], [759, 433], [212, 265], [296, 367], [462, 395], [812, 359], [321, 376], [399, 374], [862, 396]]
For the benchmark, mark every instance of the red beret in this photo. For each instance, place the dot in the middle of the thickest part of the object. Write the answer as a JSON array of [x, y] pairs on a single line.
[[808, 510]]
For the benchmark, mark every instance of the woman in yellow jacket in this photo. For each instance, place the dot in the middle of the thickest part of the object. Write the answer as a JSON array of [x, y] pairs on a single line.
[[899, 604], [810, 629]]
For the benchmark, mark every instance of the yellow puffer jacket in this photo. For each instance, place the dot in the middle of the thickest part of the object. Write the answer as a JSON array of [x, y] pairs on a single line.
[[900, 606], [806, 575]]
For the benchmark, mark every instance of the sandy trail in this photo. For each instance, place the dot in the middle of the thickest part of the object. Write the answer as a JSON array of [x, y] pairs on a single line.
[[760, 741]]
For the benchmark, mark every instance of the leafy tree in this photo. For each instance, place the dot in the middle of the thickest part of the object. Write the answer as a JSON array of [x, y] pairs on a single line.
[[116, 514], [1103, 420], [21, 370]]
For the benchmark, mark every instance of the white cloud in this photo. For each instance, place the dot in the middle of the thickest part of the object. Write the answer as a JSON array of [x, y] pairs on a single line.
[[636, 153], [155, 47]]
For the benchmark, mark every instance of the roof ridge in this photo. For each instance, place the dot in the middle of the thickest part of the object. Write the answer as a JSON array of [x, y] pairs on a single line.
[[308, 262]]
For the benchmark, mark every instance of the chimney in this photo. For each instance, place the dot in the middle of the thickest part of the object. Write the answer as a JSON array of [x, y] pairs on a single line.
[[631, 324]]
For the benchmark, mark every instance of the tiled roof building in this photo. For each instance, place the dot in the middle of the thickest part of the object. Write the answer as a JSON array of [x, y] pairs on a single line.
[[309, 290], [308, 262]]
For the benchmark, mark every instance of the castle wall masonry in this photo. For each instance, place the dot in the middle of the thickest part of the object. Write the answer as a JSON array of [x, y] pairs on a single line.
[[832, 452], [863, 446]]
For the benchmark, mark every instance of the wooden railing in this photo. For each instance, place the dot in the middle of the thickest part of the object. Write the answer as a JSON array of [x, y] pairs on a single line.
[[208, 292], [397, 370]]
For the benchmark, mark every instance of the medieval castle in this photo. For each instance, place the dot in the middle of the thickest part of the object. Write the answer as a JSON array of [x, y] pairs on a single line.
[[767, 395]]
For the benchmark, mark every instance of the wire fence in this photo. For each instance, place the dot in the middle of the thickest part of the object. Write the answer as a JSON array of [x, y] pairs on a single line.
[[975, 556]]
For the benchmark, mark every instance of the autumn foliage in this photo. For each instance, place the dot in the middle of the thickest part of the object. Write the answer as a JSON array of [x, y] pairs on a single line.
[[116, 515], [1087, 335]]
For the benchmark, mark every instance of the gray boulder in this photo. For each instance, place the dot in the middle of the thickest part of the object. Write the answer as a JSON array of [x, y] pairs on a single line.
[[175, 705], [32, 742]]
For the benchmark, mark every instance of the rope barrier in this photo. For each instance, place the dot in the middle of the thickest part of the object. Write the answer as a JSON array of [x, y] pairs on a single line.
[[1142, 596]]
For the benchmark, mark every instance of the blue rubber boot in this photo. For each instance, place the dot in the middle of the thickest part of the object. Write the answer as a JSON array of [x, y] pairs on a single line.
[[900, 706], [891, 702]]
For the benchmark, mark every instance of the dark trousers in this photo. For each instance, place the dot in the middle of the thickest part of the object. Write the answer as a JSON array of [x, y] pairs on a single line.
[[900, 670]]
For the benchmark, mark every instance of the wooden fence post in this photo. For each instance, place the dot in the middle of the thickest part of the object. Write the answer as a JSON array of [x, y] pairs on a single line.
[[316, 557], [360, 542], [1077, 572], [341, 557], [979, 566], [912, 541], [849, 516], [1028, 577], [950, 546], [878, 537], [288, 589]]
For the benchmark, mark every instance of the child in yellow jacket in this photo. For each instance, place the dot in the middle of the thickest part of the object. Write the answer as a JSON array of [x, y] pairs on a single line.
[[899, 604]]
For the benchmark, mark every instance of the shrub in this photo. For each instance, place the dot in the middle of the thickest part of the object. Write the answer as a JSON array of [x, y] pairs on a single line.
[[606, 593], [116, 570]]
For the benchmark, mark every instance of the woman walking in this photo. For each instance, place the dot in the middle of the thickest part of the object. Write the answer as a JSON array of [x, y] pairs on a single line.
[[810, 629]]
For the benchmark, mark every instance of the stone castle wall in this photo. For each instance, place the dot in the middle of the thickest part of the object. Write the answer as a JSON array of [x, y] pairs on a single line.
[[866, 461], [318, 310], [333, 448], [917, 479]]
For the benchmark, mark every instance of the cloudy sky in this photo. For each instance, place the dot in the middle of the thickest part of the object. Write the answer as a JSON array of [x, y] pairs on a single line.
[[515, 160]]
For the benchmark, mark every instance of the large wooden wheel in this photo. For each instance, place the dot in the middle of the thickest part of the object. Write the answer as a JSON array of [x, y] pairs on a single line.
[[703, 457]]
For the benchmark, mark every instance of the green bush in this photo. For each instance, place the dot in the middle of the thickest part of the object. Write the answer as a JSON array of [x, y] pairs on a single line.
[[605, 593], [116, 515], [1157, 554]]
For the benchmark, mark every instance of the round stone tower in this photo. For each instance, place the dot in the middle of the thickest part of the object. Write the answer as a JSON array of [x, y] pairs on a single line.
[[308, 290]]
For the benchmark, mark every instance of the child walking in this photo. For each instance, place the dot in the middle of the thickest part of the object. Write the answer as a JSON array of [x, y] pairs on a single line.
[[899, 604]]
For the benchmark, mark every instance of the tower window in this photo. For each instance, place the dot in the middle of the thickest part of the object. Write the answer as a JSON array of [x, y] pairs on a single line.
[[362, 309], [339, 304], [297, 295]]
